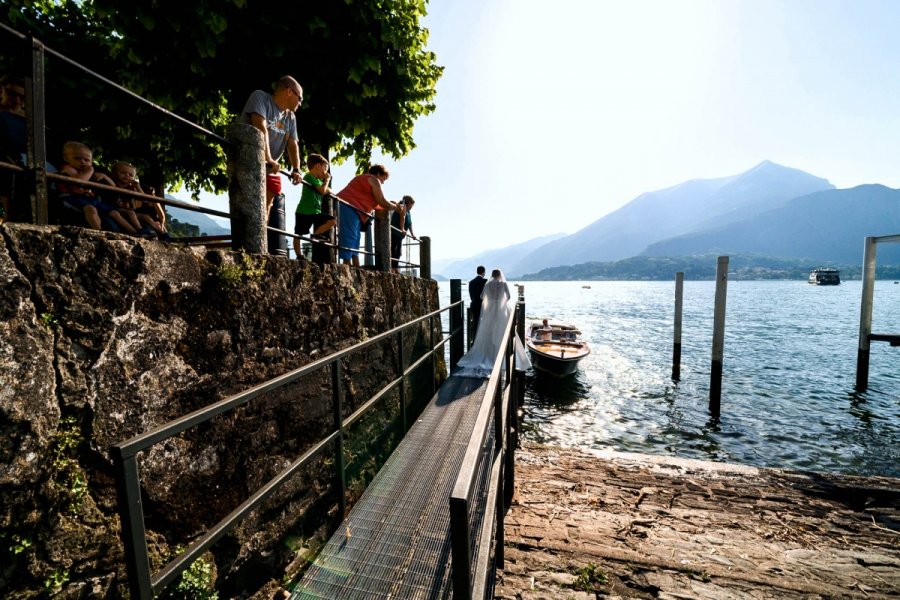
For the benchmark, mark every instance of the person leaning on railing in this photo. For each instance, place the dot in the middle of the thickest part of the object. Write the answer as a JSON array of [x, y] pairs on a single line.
[[309, 209], [401, 222], [361, 196], [273, 115]]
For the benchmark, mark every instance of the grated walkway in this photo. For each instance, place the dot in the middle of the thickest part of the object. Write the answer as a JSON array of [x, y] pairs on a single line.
[[395, 542]]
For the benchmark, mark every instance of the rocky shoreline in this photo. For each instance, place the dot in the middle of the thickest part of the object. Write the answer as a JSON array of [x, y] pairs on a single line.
[[616, 525]]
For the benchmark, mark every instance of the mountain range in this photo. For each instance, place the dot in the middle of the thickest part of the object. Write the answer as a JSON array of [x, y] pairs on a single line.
[[770, 210], [206, 224]]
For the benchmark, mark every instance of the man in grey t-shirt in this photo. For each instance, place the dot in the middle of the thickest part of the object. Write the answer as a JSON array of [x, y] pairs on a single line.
[[273, 114]]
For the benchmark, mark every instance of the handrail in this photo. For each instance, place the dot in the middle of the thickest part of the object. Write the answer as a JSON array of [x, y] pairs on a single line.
[[37, 144], [115, 85], [96, 185], [499, 404], [144, 585]]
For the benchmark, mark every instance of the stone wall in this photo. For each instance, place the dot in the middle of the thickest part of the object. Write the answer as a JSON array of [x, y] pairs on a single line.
[[103, 337]]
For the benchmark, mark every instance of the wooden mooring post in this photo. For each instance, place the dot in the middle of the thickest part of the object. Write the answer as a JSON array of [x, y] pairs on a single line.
[[718, 344], [676, 346], [865, 315]]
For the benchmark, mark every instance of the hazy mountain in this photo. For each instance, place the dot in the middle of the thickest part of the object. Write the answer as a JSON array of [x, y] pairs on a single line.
[[204, 222], [828, 226], [499, 258], [684, 208]]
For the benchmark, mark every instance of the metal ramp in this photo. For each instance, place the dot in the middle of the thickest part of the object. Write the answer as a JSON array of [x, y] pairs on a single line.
[[395, 543]]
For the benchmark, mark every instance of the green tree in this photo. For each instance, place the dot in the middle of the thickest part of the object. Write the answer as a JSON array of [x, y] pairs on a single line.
[[364, 66]]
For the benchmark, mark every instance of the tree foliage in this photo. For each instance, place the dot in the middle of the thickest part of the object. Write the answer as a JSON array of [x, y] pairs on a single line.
[[363, 64]]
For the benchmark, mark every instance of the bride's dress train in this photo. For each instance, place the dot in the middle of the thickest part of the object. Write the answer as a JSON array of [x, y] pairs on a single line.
[[479, 360]]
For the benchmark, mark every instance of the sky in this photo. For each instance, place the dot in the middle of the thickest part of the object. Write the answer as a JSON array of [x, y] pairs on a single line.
[[552, 115]]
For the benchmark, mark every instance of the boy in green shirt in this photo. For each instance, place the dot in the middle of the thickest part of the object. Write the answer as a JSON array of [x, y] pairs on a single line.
[[309, 210]]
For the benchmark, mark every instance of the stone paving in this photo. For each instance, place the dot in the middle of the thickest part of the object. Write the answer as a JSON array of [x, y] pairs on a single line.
[[616, 525]]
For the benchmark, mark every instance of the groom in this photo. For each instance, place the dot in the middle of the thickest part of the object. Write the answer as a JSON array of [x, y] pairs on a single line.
[[475, 287]]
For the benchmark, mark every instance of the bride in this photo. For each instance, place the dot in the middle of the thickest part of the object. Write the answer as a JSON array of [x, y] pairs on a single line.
[[479, 360]]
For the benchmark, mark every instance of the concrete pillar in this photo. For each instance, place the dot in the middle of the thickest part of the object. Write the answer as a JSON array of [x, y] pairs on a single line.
[[383, 240], [425, 257], [247, 188]]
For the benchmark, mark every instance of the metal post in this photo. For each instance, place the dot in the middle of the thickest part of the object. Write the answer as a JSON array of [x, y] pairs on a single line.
[[35, 133], [277, 242], [433, 358], [425, 257], [718, 345], [370, 246], [402, 360], [460, 549], [333, 234], [338, 407], [865, 314], [516, 400], [382, 240], [456, 337], [131, 517], [676, 347]]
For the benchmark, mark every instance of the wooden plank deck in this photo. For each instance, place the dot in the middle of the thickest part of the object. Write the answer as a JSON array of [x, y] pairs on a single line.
[[658, 527]]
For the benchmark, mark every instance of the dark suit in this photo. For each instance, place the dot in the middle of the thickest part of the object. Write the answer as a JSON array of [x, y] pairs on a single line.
[[476, 285]]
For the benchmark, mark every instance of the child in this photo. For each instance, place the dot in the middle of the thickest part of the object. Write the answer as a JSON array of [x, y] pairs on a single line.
[[125, 204], [125, 176], [309, 210], [79, 164]]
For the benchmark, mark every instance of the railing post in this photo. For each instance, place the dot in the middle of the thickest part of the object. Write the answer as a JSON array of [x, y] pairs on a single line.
[[460, 549], [718, 344], [676, 346], [369, 244], [131, 517], [36, 137], [402, 360], [456, 337], [382, 240], [338, 406], [865, 314], [433, 357], [247, 188], [277, 242], [425, 257], [333, 234], [516, 400]]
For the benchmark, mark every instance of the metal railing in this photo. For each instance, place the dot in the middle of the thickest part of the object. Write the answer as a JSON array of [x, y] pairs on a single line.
[[143, 583], [36, 156], [35, 120], [476, 528]]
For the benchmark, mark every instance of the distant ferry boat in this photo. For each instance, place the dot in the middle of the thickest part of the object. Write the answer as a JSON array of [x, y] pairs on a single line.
[[825, 277]]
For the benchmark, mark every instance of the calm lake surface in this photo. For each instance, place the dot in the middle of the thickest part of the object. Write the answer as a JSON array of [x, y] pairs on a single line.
[[787, 389]]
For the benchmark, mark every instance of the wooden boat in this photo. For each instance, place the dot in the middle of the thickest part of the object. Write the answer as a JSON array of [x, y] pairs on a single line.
[[825, 277], [555, 347]]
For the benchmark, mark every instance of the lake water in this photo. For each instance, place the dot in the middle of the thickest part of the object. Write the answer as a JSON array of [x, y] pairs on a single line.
[[788, 396]]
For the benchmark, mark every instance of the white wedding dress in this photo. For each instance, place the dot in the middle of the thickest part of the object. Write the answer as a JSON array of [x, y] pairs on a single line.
[[479, 360]]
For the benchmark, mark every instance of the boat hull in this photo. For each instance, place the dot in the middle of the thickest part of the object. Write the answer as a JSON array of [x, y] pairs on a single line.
[[555, 348], [553, 365]]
